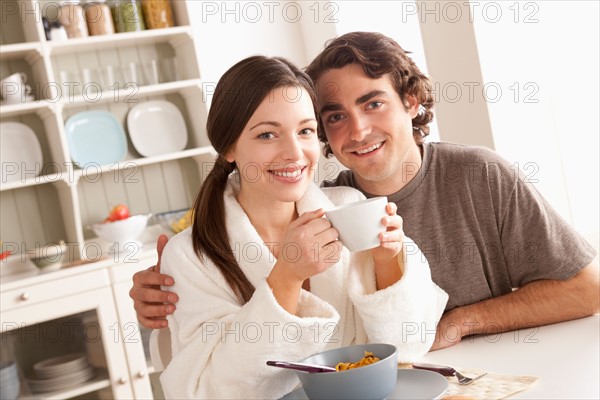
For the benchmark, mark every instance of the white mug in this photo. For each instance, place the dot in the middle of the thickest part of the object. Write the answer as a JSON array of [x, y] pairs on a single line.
[[360, 223], [14, 90]]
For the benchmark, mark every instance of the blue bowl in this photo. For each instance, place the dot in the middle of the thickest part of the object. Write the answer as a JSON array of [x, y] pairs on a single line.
[[373, 381]]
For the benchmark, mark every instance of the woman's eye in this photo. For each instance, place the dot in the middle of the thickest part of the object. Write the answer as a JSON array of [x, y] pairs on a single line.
[[307, 131], [374, 104], [266, 135]]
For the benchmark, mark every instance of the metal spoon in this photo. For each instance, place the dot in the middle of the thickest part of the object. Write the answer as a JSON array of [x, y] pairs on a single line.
[[311, 368], [447, 371]]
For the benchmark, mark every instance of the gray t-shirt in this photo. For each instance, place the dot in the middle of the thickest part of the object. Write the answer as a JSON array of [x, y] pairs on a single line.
[[481, 226]]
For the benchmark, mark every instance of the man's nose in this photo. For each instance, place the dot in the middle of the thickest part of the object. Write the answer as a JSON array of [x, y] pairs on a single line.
[[360, 128]]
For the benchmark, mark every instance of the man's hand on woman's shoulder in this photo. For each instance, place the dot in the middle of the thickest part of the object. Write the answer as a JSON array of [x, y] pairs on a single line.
[[152, 304]]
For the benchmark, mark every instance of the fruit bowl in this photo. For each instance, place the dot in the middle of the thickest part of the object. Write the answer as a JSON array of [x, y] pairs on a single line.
[[123, 231]]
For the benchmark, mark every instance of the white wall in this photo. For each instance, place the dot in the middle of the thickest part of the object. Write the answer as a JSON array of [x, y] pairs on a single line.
[[228, 31], [544, 51], [543, 56]]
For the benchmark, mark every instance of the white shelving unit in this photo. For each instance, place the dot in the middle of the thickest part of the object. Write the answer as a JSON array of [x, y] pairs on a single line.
[[67, 199], [64, 200]]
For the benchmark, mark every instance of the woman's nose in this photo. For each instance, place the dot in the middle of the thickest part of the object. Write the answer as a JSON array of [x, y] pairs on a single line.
[[292, 150]]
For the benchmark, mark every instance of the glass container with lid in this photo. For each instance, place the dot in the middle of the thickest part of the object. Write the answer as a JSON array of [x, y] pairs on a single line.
[[99, 18], [157, 13], [127, 15], [72, 18]]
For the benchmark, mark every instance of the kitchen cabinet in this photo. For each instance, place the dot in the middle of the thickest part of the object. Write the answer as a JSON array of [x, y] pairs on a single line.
[[83, 308], [42, 316], [60, 200]]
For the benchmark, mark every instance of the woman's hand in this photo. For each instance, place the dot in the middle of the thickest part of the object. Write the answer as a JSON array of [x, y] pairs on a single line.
[[388, 266], [309, 247]]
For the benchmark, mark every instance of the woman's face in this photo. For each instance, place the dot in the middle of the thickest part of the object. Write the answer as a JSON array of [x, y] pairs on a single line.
[[278, 148]]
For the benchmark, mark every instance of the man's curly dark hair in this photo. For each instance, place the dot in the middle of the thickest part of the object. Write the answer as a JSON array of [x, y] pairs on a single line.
[[378, 55]]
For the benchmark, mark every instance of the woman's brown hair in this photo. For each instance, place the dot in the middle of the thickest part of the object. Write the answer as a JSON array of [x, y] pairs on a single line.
[[378, 55], [237, 95]]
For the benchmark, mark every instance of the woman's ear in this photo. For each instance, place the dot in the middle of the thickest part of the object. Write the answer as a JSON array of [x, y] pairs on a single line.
[[230, 156], [412, 105]]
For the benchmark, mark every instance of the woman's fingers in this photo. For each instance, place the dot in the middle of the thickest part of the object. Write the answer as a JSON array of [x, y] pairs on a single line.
[[393, 224], [391, 208], [307, 217]]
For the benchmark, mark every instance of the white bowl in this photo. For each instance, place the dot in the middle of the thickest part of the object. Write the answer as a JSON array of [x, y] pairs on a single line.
[[49, 257], [122, 231]]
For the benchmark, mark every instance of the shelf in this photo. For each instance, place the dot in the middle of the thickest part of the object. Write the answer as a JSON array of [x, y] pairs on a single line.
[[9, 110], [130, 93], [100, 381], [111, 168], [19, 50], [37, 180], [150, 36], [139, 162]]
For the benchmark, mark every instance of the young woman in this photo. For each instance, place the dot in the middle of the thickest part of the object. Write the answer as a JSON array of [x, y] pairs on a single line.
[[261, 275]]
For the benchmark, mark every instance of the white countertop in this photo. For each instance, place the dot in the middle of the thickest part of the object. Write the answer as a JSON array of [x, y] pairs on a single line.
[[565, 356]]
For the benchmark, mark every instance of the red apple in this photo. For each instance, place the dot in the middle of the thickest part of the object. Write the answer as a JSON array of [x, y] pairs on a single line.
[[117, 213]]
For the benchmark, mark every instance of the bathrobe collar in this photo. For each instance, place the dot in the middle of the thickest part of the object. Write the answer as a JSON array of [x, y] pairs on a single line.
[[255, 257]]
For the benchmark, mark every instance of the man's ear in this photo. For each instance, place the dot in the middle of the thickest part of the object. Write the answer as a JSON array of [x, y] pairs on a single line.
[[412, 105]]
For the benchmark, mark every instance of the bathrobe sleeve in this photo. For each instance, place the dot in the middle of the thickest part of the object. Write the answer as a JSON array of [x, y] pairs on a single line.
[[220, 347], [404, 314]]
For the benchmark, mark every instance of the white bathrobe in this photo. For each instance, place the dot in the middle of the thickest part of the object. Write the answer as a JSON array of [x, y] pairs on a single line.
[[220, 347]]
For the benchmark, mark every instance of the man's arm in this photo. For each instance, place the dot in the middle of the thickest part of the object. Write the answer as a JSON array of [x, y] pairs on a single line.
[[537, 303], [150, 302]]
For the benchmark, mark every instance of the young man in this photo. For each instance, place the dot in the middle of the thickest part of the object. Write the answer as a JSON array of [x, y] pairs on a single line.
[[504, 256]]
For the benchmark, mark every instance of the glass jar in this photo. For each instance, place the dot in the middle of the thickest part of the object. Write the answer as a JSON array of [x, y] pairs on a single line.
[[72, 18], [98, 17], [127, 15], [157, 13]]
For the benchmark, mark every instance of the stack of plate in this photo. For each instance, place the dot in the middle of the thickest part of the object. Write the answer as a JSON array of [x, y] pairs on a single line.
[[59, 373], [9, 381]]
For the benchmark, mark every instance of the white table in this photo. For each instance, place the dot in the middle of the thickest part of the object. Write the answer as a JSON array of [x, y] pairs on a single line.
[[565, 356]]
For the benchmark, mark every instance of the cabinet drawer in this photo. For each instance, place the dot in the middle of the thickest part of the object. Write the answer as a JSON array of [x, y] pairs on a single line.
[[49, 290]]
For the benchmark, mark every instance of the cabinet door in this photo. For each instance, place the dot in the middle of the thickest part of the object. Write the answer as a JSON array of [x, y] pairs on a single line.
[[99, 300], [132, 342]]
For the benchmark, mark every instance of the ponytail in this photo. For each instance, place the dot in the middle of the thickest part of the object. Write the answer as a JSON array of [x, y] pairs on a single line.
[[209, 229], [240, 91]]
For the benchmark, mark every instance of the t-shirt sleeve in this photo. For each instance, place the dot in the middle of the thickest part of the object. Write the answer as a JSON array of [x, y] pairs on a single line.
[[537, 242]]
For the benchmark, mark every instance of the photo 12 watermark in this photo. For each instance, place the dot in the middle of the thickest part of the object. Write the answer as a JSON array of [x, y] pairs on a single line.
[[526, 12]]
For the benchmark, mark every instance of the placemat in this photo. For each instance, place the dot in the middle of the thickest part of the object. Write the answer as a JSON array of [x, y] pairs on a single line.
[[490, 386]]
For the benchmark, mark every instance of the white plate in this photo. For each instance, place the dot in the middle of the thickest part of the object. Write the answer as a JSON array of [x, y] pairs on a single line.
[[65, 361], [51, 385], [411, 384], [19, 146], [156, 127]]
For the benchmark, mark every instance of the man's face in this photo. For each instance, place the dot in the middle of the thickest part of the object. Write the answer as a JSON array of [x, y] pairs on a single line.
[[368, 127]]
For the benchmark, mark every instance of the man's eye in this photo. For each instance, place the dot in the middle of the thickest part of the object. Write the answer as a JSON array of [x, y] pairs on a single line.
[[335, 117], [374, 104]]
